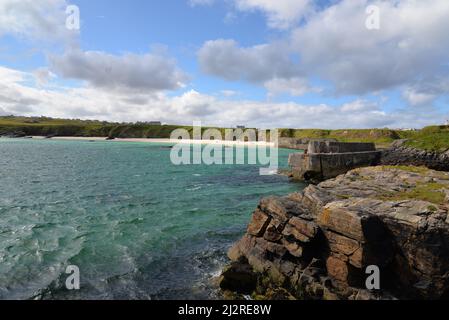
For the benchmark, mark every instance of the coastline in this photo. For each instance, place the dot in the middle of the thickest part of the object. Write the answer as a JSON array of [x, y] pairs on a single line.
[[155, 140]]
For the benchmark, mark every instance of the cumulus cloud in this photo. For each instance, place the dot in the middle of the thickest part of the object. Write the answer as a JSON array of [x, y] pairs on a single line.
[[269, 65], [333, 44], [359, 106], [36, 20], [281, 14], [129, 72], [416, 98], [411, 44], [224, 58], [229, 93], [43, 76], [91, 102], [45, 20], [293, 86]]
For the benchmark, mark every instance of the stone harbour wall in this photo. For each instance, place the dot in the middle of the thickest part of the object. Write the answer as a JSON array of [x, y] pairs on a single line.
[[298, 143], [322, 166]]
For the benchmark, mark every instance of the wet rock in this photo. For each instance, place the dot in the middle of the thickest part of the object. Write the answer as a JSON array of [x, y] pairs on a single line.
[[337, 269], [259, 224], [239, 277], [272, 234], [294, 248]]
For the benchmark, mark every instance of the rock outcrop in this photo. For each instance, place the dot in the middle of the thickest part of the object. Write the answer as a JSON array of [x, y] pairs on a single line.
[[400, 154], [317, 244]]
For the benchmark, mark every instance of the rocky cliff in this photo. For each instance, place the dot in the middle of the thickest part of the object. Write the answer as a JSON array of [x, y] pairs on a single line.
[[400, 154], [318, 244]]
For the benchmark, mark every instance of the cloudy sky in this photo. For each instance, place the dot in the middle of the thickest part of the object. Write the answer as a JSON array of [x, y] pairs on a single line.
[[263, 63]]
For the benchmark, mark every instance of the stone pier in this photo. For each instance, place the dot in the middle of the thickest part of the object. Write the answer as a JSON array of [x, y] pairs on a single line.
[[327, 159], [299, 143]]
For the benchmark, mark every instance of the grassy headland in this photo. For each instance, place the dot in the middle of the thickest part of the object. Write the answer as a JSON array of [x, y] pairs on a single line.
[[44, 126], [434, 138]]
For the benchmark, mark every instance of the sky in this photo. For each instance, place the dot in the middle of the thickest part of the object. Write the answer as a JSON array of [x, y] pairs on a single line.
[[260, 63]]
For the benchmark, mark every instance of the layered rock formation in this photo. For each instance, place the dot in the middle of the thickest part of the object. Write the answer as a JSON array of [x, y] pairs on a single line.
[[318, 243], [400, 154]]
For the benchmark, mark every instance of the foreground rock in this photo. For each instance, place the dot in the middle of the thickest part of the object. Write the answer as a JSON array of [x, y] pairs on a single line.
[[317, 244]]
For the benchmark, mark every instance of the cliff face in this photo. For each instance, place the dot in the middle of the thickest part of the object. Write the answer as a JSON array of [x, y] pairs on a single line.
[[318, 243]]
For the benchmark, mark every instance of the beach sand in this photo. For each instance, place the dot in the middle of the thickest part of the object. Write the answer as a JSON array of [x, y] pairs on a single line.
[[218, 142]]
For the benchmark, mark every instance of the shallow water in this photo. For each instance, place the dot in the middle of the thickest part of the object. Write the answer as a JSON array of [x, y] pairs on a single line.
[[137, 226]]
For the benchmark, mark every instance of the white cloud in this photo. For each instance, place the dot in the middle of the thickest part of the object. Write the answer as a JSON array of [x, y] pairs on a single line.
[[195, 3], [35, 20], [416, 99], [411, 49], [102, 104], [281, 14], [293, 86], [268, 65], [359, 106], [412, 44], [258, 64], [229, 93], [43, 76], [130, 72]]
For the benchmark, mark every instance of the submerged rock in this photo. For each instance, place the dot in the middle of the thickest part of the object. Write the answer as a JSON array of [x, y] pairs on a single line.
[[317, 244]]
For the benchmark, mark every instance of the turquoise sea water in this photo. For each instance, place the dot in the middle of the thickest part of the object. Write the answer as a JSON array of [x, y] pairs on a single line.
[[137, 226]]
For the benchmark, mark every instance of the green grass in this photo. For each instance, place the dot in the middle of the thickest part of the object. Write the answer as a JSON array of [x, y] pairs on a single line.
[[435, 138], [44, 126], [381, 137], [431, 192], [420, 170]]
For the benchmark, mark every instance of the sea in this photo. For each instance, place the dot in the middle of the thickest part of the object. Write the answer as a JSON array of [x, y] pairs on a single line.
[[135, 225]]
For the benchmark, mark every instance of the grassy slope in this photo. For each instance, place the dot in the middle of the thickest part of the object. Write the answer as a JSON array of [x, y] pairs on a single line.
[[64, 127], [430, 138], [435, 138]]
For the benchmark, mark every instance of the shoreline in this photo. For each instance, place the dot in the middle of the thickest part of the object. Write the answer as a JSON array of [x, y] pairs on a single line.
[[156, 140]]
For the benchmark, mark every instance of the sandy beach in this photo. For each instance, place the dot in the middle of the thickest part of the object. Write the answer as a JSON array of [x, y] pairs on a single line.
[[185, 141]]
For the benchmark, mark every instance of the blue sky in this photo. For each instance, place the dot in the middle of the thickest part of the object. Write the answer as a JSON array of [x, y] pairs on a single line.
[[283, 63]]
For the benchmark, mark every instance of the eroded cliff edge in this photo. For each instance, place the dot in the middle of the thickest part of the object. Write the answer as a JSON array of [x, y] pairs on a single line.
[[318, 243]]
